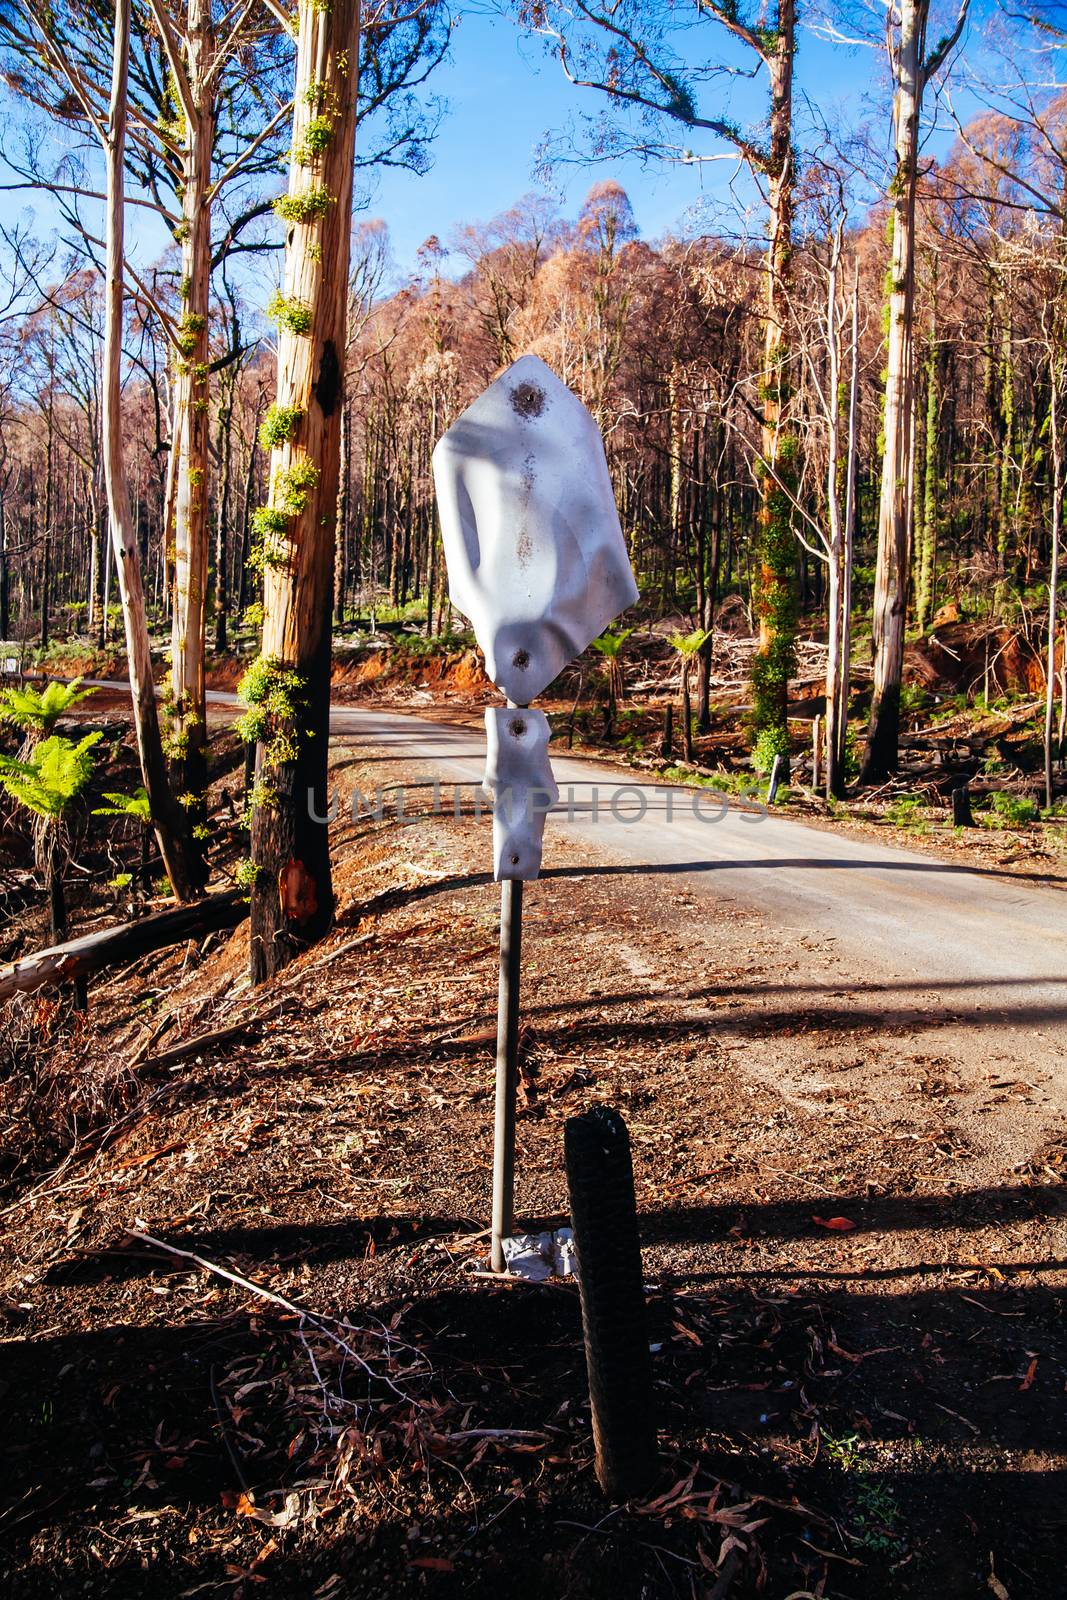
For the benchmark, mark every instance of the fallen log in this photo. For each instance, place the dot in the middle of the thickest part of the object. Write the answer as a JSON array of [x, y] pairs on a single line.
[[193, 1047], [130, 940]]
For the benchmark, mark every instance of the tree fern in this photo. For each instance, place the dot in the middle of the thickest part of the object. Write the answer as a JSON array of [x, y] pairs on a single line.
[[687, 644], [54, 775], [134, 805], [38, 710], [610, 643]]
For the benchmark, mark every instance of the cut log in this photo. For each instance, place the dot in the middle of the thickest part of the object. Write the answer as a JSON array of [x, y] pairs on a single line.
[[127, 942]]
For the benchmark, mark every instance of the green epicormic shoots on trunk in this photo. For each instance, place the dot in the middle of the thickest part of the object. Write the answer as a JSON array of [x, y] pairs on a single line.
[[278, 425], [290, 490], [276, 698], [291, 314], [307, 207], [317, 136]]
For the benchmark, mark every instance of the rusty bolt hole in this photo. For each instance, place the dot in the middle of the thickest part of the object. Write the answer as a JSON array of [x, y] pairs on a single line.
[[528, 400], [517, 727], [521, 659]]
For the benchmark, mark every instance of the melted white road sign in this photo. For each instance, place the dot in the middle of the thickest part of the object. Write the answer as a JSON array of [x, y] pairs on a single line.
[[535, 554], [536, 559]]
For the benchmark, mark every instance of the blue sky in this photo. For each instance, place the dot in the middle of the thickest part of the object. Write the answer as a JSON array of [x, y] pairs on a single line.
[[504, 94]]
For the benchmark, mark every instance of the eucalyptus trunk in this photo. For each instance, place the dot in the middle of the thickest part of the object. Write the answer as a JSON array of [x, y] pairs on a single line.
[[167, 818], [835, 551], [1006, 510], [927, 564], [894, 511], [912, 71], [5, 580], [292, 894], [837, 748], [189, 566], [223, 515], [775, 657], [1053, 581]]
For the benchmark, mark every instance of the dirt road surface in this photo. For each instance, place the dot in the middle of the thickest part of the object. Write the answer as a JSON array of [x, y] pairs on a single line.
[[886, 935]]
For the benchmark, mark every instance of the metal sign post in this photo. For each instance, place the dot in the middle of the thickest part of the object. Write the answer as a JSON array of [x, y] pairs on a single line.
[[537, 561], [507, 1067]]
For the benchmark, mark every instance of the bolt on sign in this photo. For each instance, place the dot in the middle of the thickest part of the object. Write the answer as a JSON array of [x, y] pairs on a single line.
[[537, 562]]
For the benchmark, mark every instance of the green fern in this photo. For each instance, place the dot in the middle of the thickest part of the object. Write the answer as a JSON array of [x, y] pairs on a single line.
[[687, 644], [53, 777], [38, 710], [134, 805], [611, 642]]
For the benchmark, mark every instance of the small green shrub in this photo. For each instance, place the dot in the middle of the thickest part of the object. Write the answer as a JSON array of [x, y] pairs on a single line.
[[843, 1451], [876, 1518], [853, 751], [1015, 810], [903, 811], [770, 742], [413, 611]]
